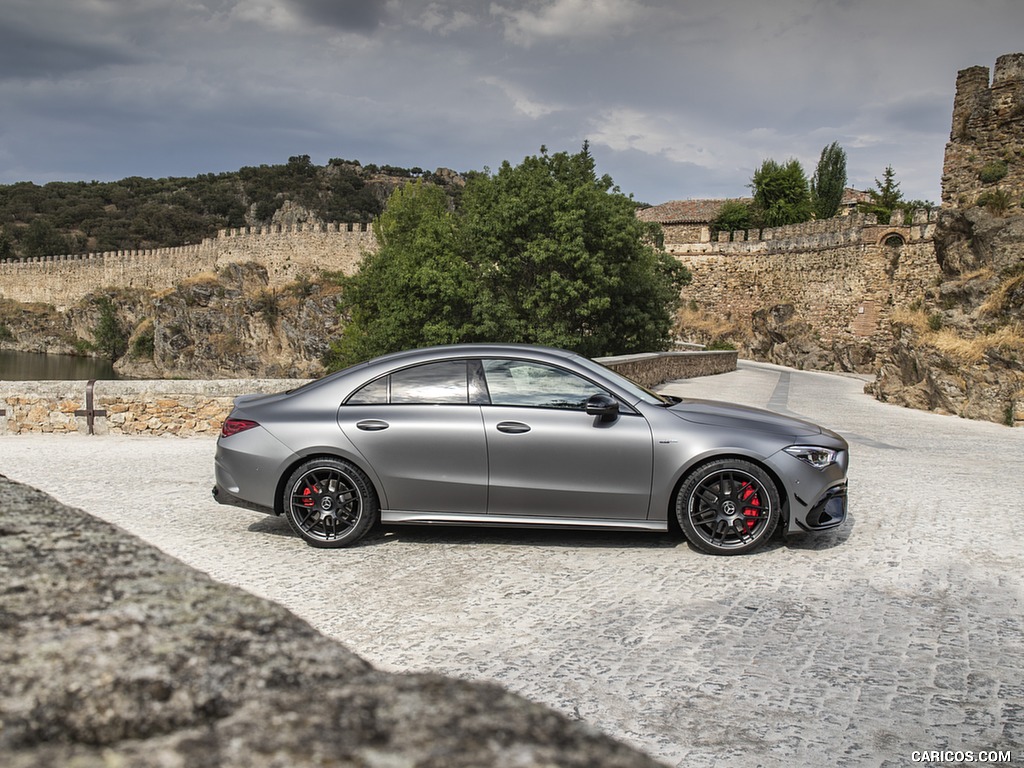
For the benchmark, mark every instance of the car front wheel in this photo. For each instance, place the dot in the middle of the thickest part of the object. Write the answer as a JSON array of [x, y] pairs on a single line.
[[728, 507], [330, 503]]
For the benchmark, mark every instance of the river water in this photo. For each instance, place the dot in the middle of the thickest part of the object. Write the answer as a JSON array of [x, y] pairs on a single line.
[[31, 366]]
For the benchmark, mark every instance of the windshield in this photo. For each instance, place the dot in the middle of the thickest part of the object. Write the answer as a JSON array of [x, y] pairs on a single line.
[[628, 385]]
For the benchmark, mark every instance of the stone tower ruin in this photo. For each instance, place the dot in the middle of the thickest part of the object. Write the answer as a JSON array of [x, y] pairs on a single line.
[[985, 152]]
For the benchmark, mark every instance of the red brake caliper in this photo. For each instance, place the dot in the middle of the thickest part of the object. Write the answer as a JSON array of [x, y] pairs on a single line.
[[749, 496], [307, 500]]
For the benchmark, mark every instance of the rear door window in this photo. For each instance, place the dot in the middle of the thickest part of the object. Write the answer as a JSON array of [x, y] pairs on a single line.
[[442, 383]]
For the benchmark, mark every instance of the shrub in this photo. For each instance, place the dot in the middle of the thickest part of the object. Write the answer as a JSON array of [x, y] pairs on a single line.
[[993, 172], [269, 306], [995, 201], [143, 345]]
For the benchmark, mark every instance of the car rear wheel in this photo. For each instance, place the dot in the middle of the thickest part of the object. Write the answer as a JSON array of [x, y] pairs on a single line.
[[330, 503], [728, 507]]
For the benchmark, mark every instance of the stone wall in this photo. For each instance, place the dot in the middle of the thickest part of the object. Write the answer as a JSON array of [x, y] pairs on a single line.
[[193, 407], [843, 275], [655, 368], [154, 407], [987, 133], [286, 252]]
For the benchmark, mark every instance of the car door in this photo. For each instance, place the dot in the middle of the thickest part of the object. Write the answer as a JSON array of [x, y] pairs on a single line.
[[548, 458], [422, 437]]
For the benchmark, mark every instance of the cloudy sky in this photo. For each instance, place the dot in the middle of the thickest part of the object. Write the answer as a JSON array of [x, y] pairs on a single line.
[[678, 98]]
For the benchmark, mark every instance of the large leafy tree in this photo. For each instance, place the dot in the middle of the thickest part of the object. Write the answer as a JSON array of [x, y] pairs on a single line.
[[416, 289], [829, 181], [563, 260], [781, 194], [543, 252]]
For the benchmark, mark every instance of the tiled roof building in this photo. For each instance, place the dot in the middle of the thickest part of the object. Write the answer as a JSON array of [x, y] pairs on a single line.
[[686, 221]]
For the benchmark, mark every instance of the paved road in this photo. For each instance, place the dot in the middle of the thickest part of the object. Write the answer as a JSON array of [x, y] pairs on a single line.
[[902, 632]]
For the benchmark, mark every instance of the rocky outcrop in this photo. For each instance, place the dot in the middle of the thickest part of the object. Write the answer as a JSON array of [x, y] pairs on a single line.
[[780, 335], [960, 348], [116, 654], [233, 325], [33, 327]]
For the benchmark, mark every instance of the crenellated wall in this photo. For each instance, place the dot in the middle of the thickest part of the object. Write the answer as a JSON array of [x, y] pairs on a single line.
[[286, 252], [843, 275]]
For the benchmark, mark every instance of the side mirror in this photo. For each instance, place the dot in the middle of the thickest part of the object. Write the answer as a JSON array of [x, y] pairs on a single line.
[[605, 406]]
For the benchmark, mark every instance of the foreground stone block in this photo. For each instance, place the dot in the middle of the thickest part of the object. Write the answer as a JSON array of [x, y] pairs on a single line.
[[115, 654]]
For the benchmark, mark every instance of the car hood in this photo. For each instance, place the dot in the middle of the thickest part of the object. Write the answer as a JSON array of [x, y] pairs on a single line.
[[736, 416]]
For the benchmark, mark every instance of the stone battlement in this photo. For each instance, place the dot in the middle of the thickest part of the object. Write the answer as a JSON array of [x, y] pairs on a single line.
[[856, 229], [286, 251]]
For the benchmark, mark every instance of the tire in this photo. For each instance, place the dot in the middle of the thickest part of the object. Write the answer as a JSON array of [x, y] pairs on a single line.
[[728, 507], [330, 503]]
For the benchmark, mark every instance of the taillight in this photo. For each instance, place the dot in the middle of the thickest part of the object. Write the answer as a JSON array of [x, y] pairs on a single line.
[[234, 426]]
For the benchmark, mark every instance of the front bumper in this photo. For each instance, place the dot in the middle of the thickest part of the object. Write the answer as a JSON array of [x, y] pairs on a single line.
[[829, 511]]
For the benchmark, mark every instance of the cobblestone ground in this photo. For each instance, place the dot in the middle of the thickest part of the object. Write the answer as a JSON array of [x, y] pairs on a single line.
[[900, 633]]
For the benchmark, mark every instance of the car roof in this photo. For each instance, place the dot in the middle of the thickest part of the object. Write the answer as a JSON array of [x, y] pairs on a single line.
[[471, 350]]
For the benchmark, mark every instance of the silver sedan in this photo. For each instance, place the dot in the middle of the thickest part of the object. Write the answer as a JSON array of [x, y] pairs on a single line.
[[516, 435]]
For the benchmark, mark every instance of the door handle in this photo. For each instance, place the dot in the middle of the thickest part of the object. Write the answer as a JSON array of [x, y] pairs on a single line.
[[513, 427], [372, 425]]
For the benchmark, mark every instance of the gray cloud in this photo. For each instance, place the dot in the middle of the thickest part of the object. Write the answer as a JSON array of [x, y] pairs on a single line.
[[679, 98], [354, 15], [28, 51]]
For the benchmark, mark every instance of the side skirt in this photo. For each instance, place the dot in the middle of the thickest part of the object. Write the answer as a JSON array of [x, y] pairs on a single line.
[[396, 517]]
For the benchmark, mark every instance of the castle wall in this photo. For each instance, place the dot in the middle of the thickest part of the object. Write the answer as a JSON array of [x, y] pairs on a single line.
[[842, 275], [301, 250], [63, 280], [286, 252]]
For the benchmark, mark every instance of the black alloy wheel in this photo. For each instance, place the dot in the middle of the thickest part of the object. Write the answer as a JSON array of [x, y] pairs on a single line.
[[330, 503], [728, 507]]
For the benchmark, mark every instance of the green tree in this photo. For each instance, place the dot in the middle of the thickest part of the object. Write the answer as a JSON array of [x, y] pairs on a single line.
[[109, 336], [781, 194], [564, 261], [733, 216], [543, 252], [42, 239], [415, 290], [829, 181], [885, 198], [6, 245]]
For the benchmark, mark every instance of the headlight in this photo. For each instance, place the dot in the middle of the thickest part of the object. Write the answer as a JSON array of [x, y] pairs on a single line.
[[819, 458]]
